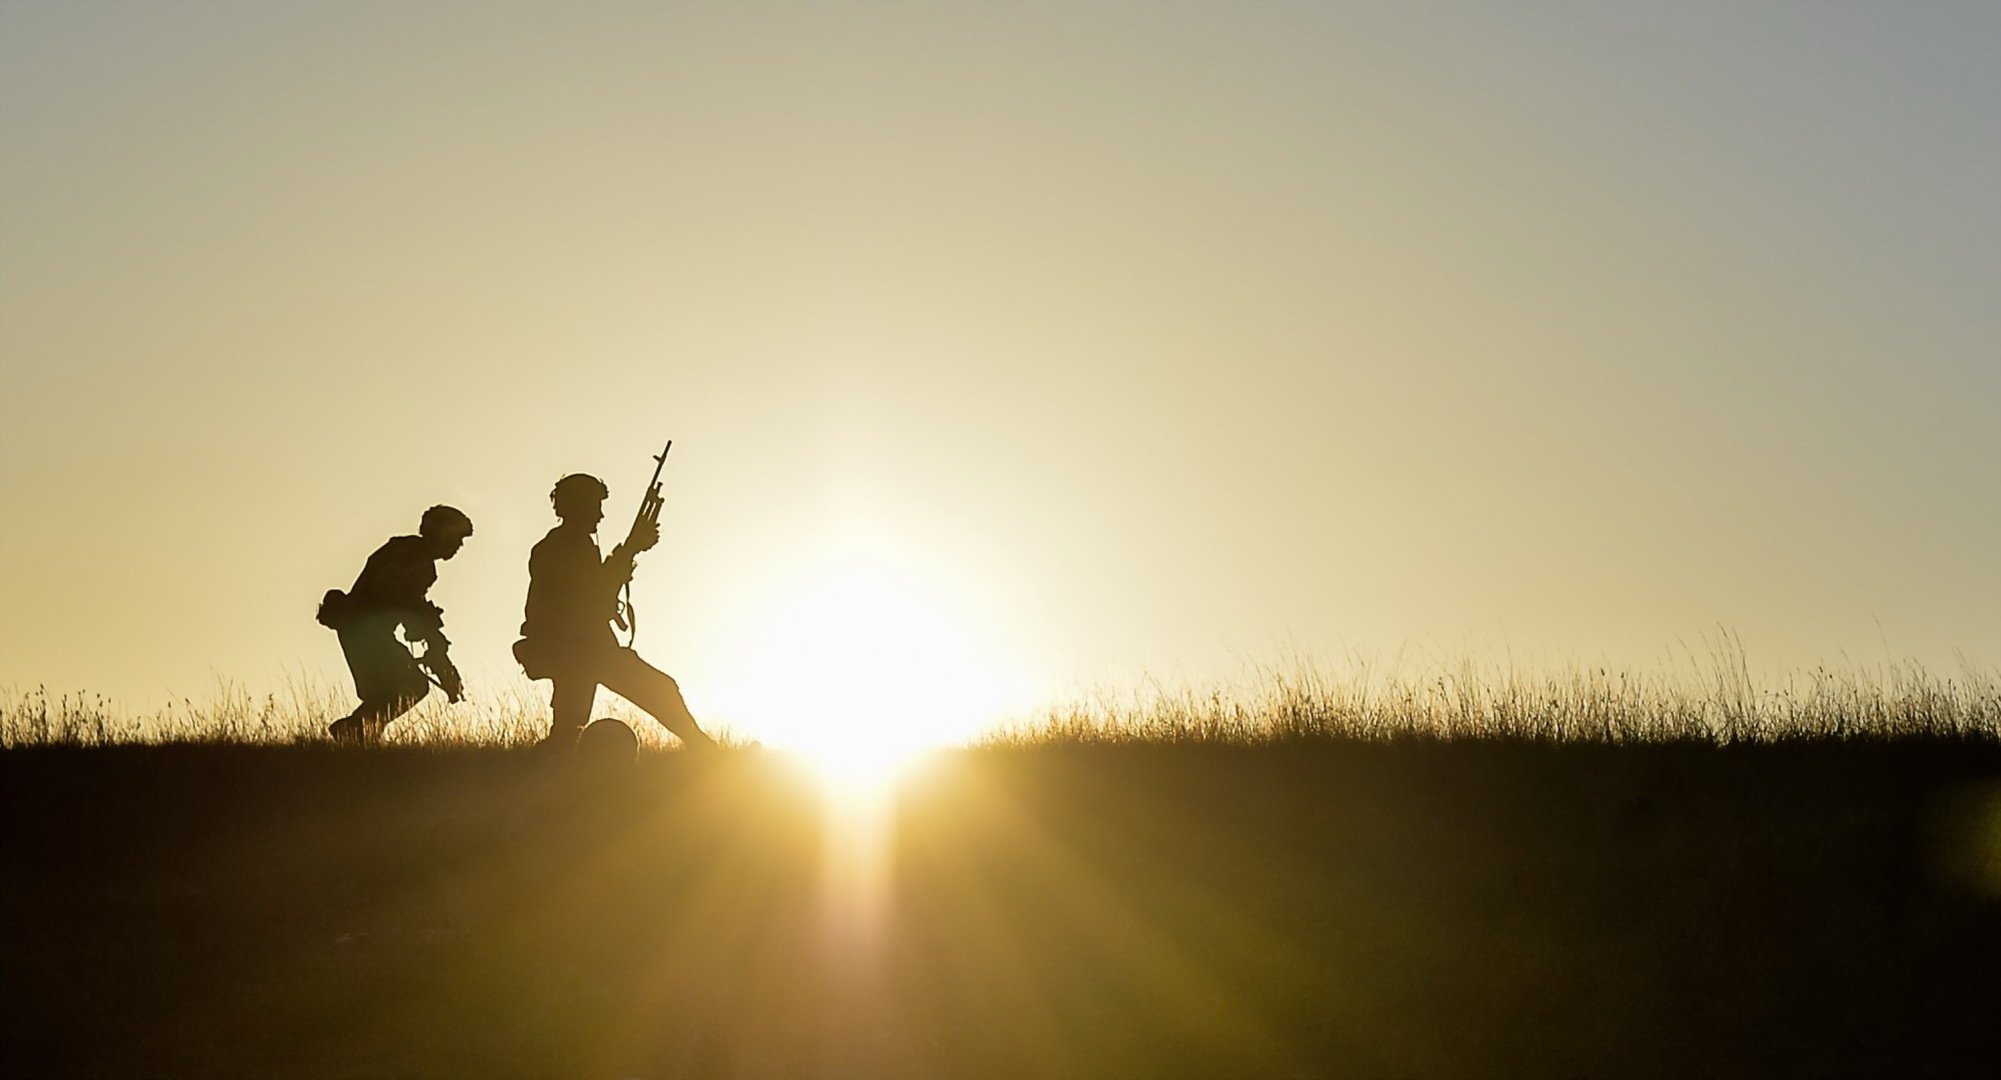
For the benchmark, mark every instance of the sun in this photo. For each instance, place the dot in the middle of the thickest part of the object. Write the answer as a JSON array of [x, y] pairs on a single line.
[[863, 659]]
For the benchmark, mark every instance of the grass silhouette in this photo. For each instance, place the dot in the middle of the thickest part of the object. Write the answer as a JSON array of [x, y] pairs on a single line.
[[1716, 701]]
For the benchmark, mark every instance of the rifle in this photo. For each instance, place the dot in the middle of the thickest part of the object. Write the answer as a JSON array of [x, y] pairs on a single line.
[[626, 617], [437, 666]]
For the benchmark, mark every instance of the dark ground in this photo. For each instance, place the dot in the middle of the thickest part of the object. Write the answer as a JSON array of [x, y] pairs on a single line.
[[1402, 909]]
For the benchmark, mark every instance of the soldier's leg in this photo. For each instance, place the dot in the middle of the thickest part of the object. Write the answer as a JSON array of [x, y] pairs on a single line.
[[412, 689], [655, 691], [365, 723], [570, 700]]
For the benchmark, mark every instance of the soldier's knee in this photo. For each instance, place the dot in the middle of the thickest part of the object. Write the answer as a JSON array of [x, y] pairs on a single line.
[[633, 667]]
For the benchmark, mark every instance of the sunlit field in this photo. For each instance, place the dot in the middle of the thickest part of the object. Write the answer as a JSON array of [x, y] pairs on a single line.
[[1583, 874]]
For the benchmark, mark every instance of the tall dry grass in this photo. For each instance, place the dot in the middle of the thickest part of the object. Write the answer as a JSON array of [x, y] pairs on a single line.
[[298, 713], [1717, 700]]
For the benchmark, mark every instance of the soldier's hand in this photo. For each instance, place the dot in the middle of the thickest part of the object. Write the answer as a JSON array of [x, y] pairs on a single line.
[[645, 534], [453, 685]]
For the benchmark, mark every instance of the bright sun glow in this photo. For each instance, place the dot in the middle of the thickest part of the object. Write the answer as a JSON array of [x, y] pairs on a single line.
[[860, 661]]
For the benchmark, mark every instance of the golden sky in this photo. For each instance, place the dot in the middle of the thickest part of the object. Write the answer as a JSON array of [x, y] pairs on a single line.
[[1023, 346]]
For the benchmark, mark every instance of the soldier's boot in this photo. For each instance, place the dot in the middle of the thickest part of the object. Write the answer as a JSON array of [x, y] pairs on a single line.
[[559, 740], [693, 738], [346, 731]]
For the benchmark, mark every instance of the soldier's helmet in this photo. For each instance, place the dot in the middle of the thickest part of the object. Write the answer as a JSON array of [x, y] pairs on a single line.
[[577, 491], [445, 521], [609, 742]]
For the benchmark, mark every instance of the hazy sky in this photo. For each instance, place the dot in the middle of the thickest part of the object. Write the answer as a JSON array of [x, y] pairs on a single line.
[[1055, 342]]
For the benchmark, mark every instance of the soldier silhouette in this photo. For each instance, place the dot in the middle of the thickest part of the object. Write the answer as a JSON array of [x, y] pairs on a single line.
[[391, 593], [572, 601]]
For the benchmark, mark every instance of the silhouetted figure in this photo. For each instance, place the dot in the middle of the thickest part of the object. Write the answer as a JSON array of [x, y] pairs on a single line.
[[391, 593], [572, 602]]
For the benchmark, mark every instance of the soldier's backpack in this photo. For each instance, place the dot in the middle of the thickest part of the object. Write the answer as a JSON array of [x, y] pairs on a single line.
[[534, 659], [336, 609]]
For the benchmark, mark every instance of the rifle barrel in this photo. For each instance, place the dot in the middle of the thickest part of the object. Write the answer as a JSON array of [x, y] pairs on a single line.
[[651, 499], [659, 463]]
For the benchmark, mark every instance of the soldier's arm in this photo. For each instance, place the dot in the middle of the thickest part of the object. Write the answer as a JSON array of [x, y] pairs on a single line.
[[426, 623], [618, 565], [617, 569]]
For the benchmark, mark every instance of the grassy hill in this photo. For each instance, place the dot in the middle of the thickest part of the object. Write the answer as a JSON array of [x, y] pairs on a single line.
[[1062, 906]]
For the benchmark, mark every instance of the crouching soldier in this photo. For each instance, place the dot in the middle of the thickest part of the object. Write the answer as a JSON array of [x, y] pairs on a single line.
[[572, 601], [391, 593]]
